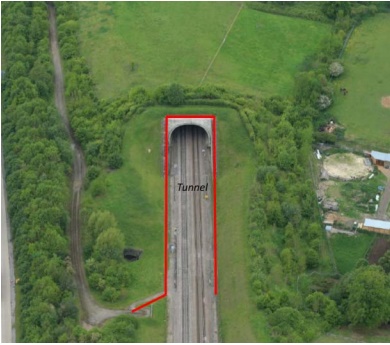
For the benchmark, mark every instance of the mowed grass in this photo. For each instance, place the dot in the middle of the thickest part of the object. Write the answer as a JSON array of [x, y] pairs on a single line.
[[135, 196], [129, 44], [264, 51], [367, 78], [162, 42], [348, 250]]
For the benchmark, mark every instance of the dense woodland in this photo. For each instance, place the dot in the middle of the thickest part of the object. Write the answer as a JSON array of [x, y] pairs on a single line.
[[291, 274]]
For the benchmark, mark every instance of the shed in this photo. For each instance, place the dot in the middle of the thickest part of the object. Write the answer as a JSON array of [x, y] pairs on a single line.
[[132, 254], [375, 225], [328, 227], [381, 158]]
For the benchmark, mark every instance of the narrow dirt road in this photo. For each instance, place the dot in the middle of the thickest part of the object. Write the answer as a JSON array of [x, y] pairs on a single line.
[[7, 274], [93, 313]]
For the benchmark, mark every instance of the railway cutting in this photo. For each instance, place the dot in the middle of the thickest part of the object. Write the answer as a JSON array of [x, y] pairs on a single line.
[[191, 298]]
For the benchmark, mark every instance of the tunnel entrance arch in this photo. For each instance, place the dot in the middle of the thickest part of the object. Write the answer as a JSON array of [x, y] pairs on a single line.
[[203, 123]]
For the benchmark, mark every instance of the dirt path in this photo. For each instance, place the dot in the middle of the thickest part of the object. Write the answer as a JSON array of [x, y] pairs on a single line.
[[93, 313], [7, 274]]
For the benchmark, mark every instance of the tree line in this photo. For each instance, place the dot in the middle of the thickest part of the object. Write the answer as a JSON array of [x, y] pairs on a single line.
[[38, 160]]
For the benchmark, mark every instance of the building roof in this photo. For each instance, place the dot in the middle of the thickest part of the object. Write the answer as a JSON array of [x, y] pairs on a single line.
[[379, 224], [381, 156]]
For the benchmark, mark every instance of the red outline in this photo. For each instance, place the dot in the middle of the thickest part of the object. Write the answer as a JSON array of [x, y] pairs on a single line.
[[167, 117]]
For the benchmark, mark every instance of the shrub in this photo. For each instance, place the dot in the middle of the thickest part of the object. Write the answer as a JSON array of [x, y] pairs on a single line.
[[324, 102], [115, 161], [336, 69]]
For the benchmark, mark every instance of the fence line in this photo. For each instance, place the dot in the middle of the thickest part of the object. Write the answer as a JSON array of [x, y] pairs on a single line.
[[346, 41]]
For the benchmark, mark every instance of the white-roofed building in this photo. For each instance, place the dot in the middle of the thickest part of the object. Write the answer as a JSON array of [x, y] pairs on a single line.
[[381, 158], [375, 225]]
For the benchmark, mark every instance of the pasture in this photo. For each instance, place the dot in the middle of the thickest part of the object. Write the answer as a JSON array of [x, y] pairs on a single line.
[[130, 44], [366, 78]]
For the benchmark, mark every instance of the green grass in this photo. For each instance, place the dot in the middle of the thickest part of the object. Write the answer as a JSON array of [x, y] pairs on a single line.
[[135, 196], [367, 79], [129, 44], [166, 41], [353, 196], [346, 335], [264, 51], [348, 250]]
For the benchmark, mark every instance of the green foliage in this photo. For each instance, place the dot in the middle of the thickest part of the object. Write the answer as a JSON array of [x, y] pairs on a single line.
[[37, 167], [120, 330], [384, 261], [289, 325], [368, 301]]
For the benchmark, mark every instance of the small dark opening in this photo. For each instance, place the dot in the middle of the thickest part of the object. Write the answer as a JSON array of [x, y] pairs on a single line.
[[132, 254]]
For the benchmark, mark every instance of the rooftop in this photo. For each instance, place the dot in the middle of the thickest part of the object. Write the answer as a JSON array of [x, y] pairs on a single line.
[[381, 156], [379, 224]]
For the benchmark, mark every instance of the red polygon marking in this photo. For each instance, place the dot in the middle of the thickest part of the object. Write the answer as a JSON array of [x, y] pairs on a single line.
[[166, 210]]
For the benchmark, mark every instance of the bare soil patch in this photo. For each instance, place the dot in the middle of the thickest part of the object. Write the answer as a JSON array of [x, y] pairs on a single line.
[[346, 166], [379, 248], [385, 101]]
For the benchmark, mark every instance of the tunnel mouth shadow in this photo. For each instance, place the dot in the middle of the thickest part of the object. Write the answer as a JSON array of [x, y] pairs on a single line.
[[132, 254]]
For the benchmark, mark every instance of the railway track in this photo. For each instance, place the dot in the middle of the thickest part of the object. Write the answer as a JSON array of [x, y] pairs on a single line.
[[192, 311]]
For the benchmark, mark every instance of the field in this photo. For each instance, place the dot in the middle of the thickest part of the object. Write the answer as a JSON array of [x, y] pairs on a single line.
[[135, 196], [367, 80], [348, 250], [138, 43]]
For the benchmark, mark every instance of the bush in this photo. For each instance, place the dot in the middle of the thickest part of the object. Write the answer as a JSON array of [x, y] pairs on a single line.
[[336, 69], [98, 188], [324, 102], [93, 172], [115, 161], [110, 294]]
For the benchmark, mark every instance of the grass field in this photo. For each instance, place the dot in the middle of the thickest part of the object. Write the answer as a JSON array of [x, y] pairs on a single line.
[[135, 196], [346, 335], [348, 250], [263, 52], [139, 43], [367, 79]]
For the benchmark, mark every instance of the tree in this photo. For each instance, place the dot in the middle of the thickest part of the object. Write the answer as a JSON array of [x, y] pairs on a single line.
[[110, 244], [288, 325], [369, 297], [318, 303], [336, 69], [324, 102], [384, 261], [175, 94]]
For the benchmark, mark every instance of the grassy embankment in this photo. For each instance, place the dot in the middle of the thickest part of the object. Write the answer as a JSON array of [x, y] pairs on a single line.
[[367, 79], [134, 195], [149, 44]]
